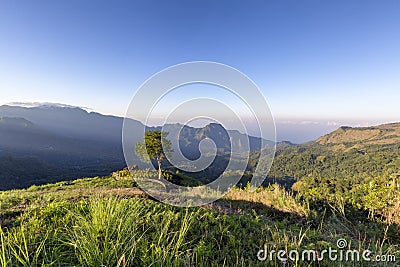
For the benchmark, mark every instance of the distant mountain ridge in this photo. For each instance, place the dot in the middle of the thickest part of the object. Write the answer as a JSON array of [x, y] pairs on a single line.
[[26, 138], [79, 142], [77, 123], [48, 105], [70, 121]]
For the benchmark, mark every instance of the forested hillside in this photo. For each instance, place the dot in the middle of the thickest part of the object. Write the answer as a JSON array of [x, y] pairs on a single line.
[[350, 169]]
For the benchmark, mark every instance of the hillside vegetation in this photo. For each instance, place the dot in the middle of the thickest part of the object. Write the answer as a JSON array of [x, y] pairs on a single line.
[[107, 221]]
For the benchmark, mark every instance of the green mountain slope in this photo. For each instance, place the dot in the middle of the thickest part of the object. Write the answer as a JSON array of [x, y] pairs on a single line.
[[348, 153]]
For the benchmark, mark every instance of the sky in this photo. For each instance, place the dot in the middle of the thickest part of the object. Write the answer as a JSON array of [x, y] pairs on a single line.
[[320, 64]]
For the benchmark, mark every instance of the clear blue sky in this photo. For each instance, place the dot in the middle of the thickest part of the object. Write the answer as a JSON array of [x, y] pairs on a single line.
[[314, 60]]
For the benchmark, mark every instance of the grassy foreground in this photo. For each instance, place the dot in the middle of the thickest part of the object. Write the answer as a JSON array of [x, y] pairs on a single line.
[[105, 221]]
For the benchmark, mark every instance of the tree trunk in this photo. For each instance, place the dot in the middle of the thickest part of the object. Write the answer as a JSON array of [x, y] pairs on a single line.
[[159, 169]]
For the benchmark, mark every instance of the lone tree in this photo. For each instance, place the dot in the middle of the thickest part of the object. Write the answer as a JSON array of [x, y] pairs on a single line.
[[155, 147]]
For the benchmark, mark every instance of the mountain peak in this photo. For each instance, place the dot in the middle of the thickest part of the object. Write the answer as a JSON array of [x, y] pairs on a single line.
[[44, 105], [214, 125], [381, 134]]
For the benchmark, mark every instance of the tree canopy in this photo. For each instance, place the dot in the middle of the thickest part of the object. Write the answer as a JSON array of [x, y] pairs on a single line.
[[155, 147]]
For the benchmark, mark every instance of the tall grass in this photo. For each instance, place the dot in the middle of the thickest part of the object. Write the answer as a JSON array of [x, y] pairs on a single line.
[[121, 232], [21, 248], [104, 233], [113, 231]]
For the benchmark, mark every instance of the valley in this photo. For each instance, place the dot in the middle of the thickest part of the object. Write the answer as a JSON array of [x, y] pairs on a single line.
[[344, 185]]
